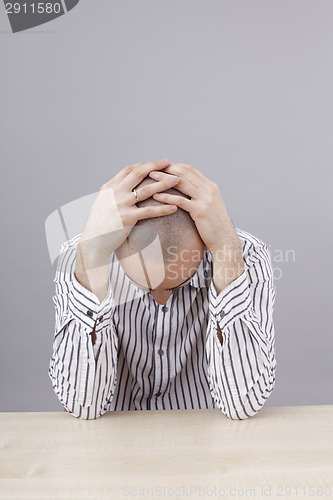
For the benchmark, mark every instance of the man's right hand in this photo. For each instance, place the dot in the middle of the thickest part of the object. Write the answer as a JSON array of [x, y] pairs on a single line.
[[113, 214]]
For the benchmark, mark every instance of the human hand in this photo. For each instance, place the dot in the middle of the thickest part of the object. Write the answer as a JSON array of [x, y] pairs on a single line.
[[208, 210], [206, 205], [114, 212]]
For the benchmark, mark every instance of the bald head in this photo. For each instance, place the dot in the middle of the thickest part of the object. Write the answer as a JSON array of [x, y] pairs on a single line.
[[171, 241]]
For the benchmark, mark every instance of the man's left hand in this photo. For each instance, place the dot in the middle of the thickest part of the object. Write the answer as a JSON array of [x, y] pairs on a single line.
[[208, 210]]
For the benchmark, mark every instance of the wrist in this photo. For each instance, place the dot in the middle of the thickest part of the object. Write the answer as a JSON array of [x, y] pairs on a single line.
[[228, 265], [89, 255]]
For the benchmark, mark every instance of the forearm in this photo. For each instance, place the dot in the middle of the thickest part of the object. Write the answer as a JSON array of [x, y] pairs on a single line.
[[228, 264], [243, 364], [243, 370], [84, 375], [92, 271], [84, 359]]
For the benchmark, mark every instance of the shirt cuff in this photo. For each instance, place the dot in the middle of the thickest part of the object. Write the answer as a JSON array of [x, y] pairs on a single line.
[[85, 305], [231, 303]]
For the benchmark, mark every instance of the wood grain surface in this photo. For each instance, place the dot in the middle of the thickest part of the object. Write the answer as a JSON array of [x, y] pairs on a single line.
[[281, 452]]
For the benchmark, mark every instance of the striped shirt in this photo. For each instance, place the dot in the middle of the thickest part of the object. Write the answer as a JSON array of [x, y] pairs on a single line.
[[131, 353]]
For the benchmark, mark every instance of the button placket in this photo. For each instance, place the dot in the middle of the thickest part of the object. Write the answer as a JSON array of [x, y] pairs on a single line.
[[160, 354], [219, 316], [222, 314]]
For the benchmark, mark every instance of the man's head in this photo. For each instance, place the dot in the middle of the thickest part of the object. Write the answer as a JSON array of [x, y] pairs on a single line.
[[162, 253]]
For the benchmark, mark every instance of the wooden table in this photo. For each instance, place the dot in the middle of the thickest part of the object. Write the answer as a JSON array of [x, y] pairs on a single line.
[[282, 452]]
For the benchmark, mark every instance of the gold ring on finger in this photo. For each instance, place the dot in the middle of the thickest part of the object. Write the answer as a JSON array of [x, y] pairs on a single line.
[[136, 195]]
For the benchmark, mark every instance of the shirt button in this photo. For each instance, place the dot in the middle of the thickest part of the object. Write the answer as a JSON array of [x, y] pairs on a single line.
[[101, 318], [90, 313], [160, 352], [222, 314], [164, 308], [157, 394]]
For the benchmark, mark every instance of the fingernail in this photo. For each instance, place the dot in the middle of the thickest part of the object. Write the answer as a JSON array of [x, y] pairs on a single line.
[[165, 161]]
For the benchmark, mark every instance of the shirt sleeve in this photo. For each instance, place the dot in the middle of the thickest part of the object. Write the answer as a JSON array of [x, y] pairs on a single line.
[[83, 371], [242, 369]]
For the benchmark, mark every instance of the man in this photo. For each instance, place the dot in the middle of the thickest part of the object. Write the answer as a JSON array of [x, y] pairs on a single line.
[[161, 303]]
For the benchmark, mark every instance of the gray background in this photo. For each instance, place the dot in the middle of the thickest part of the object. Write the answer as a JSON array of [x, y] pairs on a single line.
[[242, 90]]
